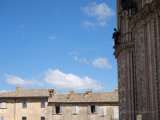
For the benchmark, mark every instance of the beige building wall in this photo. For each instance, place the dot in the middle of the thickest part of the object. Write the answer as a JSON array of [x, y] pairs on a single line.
[[14, 110], [67, 112], [101, 100]]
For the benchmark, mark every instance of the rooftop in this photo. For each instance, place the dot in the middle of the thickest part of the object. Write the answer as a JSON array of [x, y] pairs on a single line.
[[20, 93], [70, 97], [85, 97]]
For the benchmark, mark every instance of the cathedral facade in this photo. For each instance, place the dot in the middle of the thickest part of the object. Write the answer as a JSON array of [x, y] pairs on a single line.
[[137, 50]]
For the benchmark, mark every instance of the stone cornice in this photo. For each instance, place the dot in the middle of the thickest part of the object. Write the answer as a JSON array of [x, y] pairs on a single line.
[[149, 9], [122, 47]]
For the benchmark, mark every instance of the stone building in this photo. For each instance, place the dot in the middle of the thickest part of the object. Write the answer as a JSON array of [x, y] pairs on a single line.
[[137, 51], [46, 104]]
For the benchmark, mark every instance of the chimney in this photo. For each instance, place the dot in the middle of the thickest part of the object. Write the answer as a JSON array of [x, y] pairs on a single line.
[[89, 91], [71, 91], [51, 92], [54, 91], [69, 95], [116, 89], [17, 87]]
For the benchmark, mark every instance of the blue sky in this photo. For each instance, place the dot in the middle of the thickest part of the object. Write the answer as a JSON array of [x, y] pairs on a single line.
[[60, 44]]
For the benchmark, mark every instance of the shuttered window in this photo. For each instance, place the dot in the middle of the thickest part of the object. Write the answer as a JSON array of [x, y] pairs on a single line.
[[60, 109], [42, 103], [116, 112], [56, 110], [103, 112], [96, 109], [24, 104], [92, 109], [3, 118], [3, 105], [75, 109], [53, 110], [42, 118], [24, 118], [89, 109]]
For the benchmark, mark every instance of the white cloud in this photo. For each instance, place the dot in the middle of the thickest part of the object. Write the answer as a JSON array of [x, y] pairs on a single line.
[[2, 91], [60, 80], [101, 63], [52, 37], [80, 60], [102, 23], [88, 24], [100, 11], [14, 80], [73, 53]]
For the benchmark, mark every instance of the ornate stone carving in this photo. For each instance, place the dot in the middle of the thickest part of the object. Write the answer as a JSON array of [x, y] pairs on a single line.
[[142, 78], [140, 74], [122, 47], [154, 7], [121, 83]]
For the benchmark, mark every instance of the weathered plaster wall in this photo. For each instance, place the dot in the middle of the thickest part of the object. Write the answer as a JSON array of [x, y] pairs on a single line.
[[67, 112], [14, 110]]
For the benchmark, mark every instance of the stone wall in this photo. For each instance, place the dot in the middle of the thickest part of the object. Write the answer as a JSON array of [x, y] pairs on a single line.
[[139, 62]]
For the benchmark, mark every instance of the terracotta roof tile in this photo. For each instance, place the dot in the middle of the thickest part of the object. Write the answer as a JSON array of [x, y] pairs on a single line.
[[83, 97], [25, 93], [63, 98]]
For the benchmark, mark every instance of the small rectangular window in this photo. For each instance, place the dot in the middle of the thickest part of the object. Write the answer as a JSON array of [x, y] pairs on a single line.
[[89, 109], [24, 118], [3, 118], [116, 112], [3, 105], [92, 109], [57, 110], [42, 118], [75, 109], [42, 103], [24, 104], [103, 112]]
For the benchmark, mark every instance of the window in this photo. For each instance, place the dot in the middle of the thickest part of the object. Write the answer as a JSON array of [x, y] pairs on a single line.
[[24, 118], [57, 110], [103, 112], [93, 109], [42, 118], [24, 104], [75, 109], [116, 112], [3, 118], [3, 105], [42, 103]]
